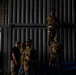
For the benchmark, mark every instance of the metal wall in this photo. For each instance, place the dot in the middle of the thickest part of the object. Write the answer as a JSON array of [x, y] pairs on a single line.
[[66, 35], [65, 11], [4, 49], [38, 36], [36, 11], [67, 38], [37, 33]]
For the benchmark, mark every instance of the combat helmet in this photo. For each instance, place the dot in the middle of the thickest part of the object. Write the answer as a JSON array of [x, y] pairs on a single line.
[[22, 44], [29, 42]]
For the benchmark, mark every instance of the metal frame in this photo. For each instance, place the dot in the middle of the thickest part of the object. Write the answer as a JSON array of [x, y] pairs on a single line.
[[27, 25], [10, 28], [3, 25], [15, 25], [4, 36]]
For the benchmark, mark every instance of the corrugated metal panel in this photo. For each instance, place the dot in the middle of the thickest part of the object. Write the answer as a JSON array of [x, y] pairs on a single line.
[[18, 34], [23, 13], [40, 11], [48, 7], [67, 39], [13, 11], [4, 49], [74, 44], [69, 11], [14, 36], [44, 11], [23, 35], [5, 52], [56, 7], [37, 37], [40, 46], [73, 12], [36, 40], [19, 2], [36, 11], [10, 11], [60, 12], [4, 12], [31, 36], [27, 11], [44, 45], [70, 45], [65, 34], [2, 44], [32, 8], [64, 11]]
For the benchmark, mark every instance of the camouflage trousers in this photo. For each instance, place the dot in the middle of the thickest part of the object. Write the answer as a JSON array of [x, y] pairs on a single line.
[[53, 58], [12, 67], [29, 68]]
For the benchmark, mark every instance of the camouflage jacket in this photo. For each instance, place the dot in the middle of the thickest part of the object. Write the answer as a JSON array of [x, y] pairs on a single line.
[[29, 54]]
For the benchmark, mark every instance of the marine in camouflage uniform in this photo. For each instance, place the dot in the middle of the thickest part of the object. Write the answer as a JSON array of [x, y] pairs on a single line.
[[22, 48], [56, 52], [29, 58], [51, 28]]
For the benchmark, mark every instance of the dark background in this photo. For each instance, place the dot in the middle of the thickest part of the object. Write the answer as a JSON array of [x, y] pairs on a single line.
[[26, 19]]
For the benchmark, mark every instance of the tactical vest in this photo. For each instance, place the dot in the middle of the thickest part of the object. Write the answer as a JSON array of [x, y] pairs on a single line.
[[28, 58]]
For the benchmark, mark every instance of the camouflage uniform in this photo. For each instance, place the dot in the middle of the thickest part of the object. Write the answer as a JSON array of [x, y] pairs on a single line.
[[21, 52], [22, 48], [56, 53], [16, 52], [29, 58], [12, 67], [51, 28]]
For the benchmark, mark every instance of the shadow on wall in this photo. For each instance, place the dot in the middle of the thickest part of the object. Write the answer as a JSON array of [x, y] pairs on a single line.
[[0, 41], [0, 63]]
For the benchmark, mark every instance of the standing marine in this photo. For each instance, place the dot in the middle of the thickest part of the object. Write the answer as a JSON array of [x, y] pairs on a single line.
[[22, 48], [51, 28], [29, 58], [56, 53]]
